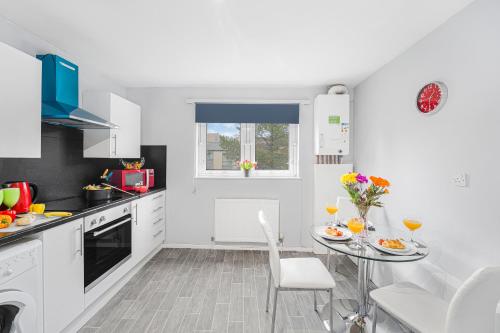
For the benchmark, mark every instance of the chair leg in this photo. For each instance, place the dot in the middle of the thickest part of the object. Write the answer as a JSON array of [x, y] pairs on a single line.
[[273, 324], [374, 323], [268, 289], [315, 301], [331, 310]]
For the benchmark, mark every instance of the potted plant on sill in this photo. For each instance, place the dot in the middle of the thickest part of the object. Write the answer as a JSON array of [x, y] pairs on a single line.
[[364, 194], [246, 166]]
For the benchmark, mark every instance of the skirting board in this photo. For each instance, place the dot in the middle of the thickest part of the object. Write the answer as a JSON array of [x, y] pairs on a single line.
[[233, 247], [90, 311]]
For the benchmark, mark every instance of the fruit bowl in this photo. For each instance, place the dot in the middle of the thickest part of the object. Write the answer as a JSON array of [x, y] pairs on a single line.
[[134, 165]]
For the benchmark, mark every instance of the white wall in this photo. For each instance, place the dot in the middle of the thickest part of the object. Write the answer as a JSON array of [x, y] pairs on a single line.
[[31, 44], [420, 154], [168, 119]]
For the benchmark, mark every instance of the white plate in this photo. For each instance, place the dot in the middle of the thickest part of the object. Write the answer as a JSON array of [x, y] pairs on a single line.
[[408, 251], [321, 231]]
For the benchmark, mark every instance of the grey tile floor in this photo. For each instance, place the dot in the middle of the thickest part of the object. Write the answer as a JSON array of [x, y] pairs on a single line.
[[193, 290]]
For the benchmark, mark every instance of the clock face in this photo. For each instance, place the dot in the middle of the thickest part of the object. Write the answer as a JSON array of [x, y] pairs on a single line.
[[431, 97]]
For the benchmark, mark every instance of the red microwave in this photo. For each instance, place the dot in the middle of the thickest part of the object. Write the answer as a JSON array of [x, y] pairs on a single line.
[[128, 179]]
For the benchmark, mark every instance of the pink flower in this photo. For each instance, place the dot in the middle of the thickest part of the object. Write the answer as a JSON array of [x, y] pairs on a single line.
[[361, 179]]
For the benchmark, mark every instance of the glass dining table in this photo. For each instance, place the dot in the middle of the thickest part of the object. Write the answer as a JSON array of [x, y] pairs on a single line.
[[356, 310]]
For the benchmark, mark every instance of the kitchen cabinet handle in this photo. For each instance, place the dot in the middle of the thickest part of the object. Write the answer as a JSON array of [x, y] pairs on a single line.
[[158, 221], [79, 233], [157, 209], [114, 137], [97, 233], [135, 208], [158, 197], [321, 140], [157, 234]]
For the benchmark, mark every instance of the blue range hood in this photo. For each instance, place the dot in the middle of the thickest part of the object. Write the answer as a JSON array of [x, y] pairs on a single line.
[[60, 96]]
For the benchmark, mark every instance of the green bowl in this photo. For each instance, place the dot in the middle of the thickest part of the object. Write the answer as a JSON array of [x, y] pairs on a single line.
[[10, 196]]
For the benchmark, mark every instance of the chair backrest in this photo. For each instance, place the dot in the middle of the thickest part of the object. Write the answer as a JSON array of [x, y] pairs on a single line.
[[473, 307], [346, 208], [274, 255]]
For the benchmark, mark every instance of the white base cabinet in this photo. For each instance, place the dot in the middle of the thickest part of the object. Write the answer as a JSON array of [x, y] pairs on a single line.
[[123, 142], [63, 278], [63, 261], [148, 228], [20, 103]]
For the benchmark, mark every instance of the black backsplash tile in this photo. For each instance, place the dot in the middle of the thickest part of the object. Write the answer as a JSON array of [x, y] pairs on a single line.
[[156, 158], [62, 171]]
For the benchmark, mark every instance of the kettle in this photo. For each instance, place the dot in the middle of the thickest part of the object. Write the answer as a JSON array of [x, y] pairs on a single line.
[[28, 193]]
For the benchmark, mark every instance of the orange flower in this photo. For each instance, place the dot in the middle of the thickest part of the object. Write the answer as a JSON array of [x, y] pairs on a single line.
[[386, 191], [379, 181]]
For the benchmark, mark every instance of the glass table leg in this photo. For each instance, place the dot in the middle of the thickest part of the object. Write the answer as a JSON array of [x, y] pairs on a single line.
[[351, 311]]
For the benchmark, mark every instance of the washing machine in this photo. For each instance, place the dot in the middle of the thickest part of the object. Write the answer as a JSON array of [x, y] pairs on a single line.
[[21, 287]]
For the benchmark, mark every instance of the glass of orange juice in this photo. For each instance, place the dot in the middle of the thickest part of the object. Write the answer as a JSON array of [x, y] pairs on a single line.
[[332, 210], [412, 225], [356, 225]]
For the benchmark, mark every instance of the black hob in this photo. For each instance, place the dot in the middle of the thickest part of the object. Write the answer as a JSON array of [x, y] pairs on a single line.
[[78, 204]]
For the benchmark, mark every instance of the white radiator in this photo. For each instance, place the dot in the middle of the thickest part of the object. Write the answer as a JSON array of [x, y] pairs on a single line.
[[236, 220]]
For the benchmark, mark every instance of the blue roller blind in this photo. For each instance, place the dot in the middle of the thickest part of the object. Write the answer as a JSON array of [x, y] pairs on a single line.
[[247, 113]]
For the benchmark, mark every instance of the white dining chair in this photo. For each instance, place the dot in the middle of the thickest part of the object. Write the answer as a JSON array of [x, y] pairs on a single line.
[[472, 308], [294, 273]]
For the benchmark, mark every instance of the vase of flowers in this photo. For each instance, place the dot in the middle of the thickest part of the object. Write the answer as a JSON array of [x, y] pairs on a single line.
[[246, 166], [364, 193]]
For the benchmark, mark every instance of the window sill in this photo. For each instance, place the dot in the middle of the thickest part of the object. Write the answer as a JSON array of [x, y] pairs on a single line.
[[247, 178]]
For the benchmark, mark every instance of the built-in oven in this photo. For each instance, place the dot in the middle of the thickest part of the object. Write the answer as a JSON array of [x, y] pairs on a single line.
[[107, 243]]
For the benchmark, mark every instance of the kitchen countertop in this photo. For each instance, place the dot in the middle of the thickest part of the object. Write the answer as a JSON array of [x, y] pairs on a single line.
[[119, 199]]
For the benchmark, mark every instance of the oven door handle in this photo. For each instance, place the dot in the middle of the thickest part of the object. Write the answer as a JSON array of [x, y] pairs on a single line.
[[97, 233]]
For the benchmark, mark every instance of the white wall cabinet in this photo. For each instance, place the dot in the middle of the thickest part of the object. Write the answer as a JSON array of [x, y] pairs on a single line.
[[148, 228], [63, 276], [20, 103], [331, 125], [123, 142]]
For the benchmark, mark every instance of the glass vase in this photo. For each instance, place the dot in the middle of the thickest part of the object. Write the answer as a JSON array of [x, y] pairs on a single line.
[[363, 214]]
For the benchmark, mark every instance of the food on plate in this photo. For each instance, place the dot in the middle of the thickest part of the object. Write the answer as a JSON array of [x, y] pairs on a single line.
[[395, 244], [332, 231], [94, 187], [5, 221], [25, 220]]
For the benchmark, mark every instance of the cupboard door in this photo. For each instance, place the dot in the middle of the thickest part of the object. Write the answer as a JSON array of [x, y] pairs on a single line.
[[148, 229], [141, 230], [128, 137], [122, 142], [63, 275], [20, 103]]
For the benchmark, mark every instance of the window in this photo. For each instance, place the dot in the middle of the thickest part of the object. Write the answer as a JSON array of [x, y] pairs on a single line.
[[272, 146], [220, 146], [223, 146]]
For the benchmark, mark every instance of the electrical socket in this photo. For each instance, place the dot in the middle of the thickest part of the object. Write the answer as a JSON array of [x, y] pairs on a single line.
[[460, 180]]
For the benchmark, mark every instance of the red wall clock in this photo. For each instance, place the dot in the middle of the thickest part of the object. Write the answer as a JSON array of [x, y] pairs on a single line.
[[432, 97]]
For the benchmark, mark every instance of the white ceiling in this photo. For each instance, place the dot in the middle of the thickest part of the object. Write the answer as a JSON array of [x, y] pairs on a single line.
[[226, 42]]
